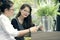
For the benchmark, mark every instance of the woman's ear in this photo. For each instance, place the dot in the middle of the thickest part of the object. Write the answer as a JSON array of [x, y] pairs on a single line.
[[6, 10]]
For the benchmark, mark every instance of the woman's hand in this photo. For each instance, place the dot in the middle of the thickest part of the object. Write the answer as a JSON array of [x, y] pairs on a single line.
[[33, 29], [41, 27]]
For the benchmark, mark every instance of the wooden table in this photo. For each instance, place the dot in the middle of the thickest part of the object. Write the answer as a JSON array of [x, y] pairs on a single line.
[[46, 36]]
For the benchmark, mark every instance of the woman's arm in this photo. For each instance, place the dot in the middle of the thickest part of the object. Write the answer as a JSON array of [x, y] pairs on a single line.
[[7, 26], [23, 32]]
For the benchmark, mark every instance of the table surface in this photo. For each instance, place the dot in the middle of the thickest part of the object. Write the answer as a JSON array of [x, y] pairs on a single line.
[[46, 36]]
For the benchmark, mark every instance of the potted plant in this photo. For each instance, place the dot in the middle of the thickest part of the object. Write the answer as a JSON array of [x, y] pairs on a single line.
[[46, 15]]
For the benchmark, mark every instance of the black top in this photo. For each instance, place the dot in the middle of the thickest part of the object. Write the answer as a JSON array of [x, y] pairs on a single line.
[[17, 26]]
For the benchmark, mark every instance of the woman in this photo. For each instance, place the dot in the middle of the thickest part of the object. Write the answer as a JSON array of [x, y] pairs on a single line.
[[6, 28], [23, 19]]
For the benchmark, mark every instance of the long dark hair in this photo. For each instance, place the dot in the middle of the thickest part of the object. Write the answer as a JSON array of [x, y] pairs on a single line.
[[27, 23]]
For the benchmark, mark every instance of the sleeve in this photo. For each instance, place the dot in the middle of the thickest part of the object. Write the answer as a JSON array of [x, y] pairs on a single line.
[[8, 27], [14, 23]]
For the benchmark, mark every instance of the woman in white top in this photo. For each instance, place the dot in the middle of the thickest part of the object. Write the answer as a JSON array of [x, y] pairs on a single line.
[[7, 32]]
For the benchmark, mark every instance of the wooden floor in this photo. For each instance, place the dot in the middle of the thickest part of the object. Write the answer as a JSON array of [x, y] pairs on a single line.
[[46, 36]]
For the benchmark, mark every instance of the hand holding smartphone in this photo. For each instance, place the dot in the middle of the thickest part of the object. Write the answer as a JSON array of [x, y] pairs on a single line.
[[40, 26]]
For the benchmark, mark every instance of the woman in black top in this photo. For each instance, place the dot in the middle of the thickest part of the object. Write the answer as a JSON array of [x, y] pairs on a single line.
[[23, 19]]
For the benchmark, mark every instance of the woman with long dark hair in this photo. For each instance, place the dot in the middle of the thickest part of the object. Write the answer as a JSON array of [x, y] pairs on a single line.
[[23, 19], [25, 15]]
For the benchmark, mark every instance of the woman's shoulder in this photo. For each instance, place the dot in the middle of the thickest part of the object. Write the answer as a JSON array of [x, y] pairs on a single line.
[[14, 23], [14, 20]]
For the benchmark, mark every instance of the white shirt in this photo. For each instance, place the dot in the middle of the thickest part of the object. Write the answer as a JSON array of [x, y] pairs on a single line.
[[7, 32]]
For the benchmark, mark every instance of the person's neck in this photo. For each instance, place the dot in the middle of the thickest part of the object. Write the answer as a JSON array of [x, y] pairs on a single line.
[[21, 18], [6, 14]]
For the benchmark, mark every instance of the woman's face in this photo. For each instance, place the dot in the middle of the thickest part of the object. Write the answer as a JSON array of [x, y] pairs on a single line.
[[10, 11], [25, 12]]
